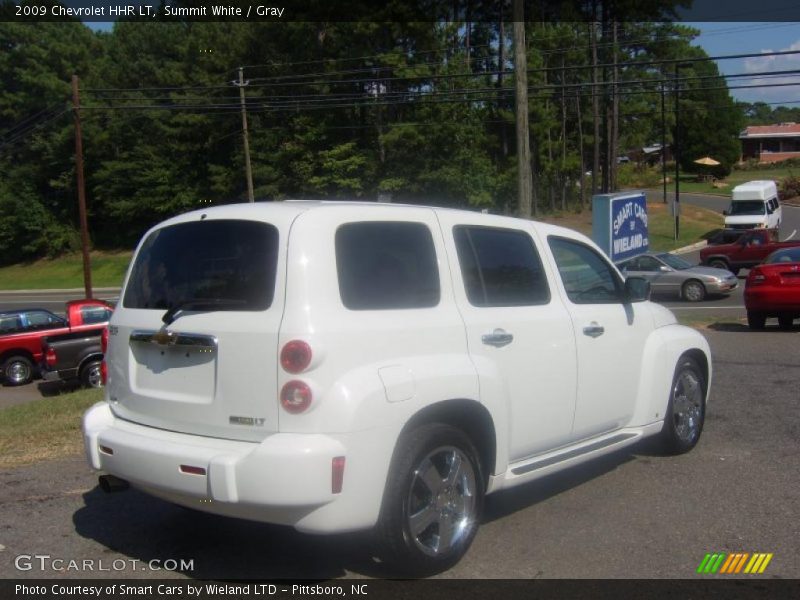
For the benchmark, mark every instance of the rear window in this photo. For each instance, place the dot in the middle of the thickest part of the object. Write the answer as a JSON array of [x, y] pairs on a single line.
[[386, 265], [229, 262]]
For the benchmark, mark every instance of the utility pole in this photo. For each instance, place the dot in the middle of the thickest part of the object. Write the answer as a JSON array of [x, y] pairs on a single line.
[[677, 147], [524, 176], [248, 169], [87, 269], [663, 145]]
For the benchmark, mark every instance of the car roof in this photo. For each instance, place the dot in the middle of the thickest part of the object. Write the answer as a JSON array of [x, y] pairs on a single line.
[[19, 311], [283, 213]]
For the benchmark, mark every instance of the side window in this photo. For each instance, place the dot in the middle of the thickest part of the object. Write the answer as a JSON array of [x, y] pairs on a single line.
[[649, 264], [386, 265], [587, 276], [40, 320], [500, 267], [10, 324], [94, 314]]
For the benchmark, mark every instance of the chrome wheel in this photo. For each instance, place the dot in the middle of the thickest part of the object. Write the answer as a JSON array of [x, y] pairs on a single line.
[[18, 370], [433, 501], [687, 406], [442, 502], [694, 291], [91, 376]]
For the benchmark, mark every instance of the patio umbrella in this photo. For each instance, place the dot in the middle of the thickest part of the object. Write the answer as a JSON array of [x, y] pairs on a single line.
[[708, 161]]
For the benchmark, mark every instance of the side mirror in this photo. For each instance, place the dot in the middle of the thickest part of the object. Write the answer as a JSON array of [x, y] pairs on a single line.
[[725, 213], [664, 269], [637, 289]]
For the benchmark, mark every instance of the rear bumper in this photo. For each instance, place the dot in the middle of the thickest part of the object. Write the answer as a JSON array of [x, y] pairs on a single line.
[[772, 300], [285, 479]]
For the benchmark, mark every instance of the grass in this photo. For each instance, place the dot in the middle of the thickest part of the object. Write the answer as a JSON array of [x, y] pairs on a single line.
[[695, 223], [108, 270], [690, 184], [44, 429]]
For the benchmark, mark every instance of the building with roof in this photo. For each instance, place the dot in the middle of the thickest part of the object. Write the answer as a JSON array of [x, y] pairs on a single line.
[[771, 143]]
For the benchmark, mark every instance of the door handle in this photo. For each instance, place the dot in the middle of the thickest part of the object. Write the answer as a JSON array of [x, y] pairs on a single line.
[[498, 338], [594, 330]]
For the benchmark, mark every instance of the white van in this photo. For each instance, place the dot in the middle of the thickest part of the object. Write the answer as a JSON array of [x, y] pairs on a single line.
[[754, 205]]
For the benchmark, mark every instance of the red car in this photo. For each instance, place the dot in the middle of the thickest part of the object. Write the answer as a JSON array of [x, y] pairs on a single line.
[[772, 289], [22, 332]]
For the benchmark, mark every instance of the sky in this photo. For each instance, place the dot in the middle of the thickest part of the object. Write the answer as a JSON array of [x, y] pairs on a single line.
[[720, 39]]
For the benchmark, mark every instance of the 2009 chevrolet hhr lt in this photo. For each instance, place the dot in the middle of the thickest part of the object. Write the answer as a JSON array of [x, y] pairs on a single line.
[[339, 366]]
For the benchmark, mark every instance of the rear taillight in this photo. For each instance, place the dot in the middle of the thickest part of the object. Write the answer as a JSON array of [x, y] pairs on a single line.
[[296, 397], [757, 276], [295, 356], [50, 357], [104, 348]]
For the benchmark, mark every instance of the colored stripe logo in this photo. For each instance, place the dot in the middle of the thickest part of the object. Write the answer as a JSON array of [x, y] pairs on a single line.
[[735, 563]]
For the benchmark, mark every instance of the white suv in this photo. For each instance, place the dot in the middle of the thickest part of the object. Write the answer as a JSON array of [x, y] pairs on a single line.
[[343, 366]]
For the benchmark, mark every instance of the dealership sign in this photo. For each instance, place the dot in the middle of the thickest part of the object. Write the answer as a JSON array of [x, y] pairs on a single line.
[[619, 224]]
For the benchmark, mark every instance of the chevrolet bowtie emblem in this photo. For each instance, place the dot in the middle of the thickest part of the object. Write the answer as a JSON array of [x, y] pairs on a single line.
[[164, 338]]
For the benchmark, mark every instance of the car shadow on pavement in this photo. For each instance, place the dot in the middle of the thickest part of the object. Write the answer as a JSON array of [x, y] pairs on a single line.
[[506, 502], [49, 389], [137, 526]]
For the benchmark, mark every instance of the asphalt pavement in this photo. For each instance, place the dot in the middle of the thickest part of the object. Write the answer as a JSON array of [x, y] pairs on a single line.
[[633, 514]]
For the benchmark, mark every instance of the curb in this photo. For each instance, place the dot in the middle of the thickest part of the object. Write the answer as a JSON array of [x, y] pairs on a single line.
[[690, 248]]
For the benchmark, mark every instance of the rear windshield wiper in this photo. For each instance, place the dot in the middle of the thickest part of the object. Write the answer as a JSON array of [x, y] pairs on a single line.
[[201, 304]]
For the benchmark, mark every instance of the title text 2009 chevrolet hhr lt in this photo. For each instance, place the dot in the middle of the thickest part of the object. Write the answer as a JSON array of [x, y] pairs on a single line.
[[343, 366]]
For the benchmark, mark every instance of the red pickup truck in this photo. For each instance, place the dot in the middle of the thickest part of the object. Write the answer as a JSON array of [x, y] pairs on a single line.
[[747, 251], [22, 332]]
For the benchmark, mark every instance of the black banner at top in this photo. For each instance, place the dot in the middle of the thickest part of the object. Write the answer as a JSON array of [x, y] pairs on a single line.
[[399, 10]]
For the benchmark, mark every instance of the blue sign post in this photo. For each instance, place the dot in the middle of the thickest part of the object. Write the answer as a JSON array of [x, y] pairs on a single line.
[[619, 224]]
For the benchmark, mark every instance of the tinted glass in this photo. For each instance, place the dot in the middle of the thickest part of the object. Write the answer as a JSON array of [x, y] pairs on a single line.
[[386, 265], [587, 277], [649, 264], [676, 262], [39, 319], [500, 267], [788, 255], [230, 262], [10, 324], [747, 207], [95, 314]]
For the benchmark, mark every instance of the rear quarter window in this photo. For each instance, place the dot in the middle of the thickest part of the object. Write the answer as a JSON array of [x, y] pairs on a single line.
[[386, 265], [232, 262]]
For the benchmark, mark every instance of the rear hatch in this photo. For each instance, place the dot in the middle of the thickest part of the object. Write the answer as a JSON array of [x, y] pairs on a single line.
[[193, 344]]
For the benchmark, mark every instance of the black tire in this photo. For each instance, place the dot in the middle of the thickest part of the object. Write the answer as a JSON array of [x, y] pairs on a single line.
[[435, 481], [90, 375], [686, 410], [693, 291], [17, 370], [785, 322], [756, 320], [718, 263]]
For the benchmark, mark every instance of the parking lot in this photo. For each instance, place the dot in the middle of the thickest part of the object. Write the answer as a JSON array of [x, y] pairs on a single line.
[[633, 514]]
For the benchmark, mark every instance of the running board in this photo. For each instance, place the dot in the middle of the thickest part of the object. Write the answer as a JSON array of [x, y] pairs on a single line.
[[552, 460]]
